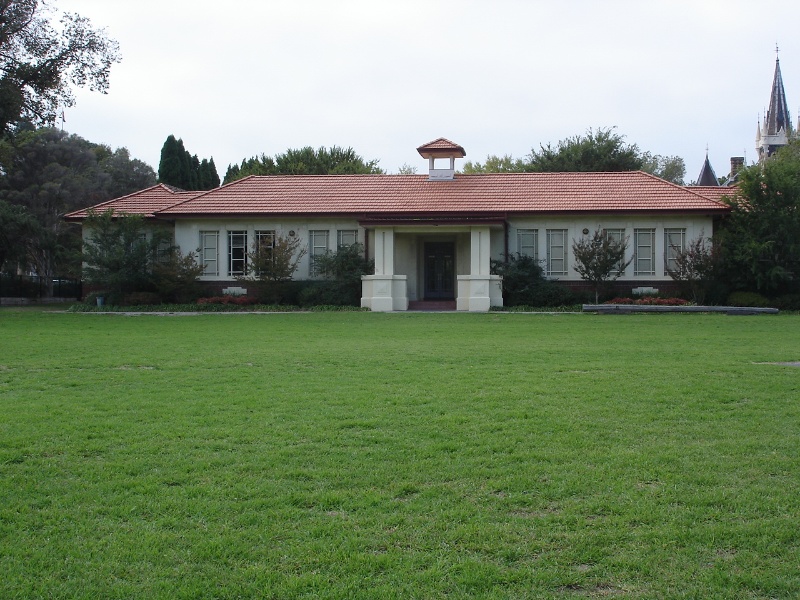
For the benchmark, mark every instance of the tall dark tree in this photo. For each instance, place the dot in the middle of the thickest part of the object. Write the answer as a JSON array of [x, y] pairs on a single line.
[[39, 64], [183, 170], [761, 237], [305, 161]]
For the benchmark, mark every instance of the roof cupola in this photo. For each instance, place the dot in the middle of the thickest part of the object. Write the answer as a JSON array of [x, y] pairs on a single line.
[[441, 148]]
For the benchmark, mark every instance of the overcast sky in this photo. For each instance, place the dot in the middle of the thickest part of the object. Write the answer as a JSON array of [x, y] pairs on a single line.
[[240, 78]]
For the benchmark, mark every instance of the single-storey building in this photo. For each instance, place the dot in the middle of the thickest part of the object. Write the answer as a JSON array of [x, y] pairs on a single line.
[[433, 236]]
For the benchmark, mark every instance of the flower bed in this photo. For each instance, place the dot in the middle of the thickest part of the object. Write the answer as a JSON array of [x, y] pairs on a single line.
[[650, 301]]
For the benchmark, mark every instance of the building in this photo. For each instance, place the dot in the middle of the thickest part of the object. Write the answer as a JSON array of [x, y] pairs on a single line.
[[433, 237], [776, 130]]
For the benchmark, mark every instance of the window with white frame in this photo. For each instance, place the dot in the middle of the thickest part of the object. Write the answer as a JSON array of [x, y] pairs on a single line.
[[674, 244], [318, 246], [237, 252], [209, 252], [528, 243], [346, 237], [644, 246], [264, 244], [617, 236], [556, 251]]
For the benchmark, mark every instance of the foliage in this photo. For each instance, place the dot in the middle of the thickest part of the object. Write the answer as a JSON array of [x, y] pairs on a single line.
[[176, 276], [275, 260], [599, 259], [49, 173], [749, 299], [185, 171], [120, 252], [761, 236], [695, 267], [524, 284], [305, 161], [17, 230], [495, 164], [342, 271], [601, 150], [39, 63], [272, 265], [406, 169], [229, 299], [669, 168]]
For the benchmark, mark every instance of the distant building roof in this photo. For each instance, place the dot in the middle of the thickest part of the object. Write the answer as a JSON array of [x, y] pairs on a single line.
[[707, 176]]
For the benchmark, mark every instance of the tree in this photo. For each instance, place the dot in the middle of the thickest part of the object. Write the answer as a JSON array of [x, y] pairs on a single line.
[[39, 63], [50, 173], [694, 267], [272, 262], [496, 164], [407, 169], [183, 170], [603, 150], [17, 230], [342, 271], [305, 161], [760, 239], [599, 259], [669, 168], [120, 252]]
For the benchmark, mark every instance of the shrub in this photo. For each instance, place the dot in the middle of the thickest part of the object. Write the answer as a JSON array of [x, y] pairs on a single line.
[[232, 300], [142, 299], [750, 299], [524, 284], [788, 302]]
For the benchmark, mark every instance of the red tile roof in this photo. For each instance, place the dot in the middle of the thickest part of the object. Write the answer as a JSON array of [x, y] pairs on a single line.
[[714, 192], [145, 202], [441, 147], [499, 193]]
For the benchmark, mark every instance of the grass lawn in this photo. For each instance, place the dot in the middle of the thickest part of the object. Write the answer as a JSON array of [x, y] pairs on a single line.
[[360, 455]]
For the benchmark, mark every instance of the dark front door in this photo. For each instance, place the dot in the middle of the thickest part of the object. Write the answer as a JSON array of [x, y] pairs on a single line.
[[440, 271]]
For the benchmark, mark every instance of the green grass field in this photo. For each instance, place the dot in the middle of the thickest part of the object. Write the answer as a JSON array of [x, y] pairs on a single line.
[[359, 455]]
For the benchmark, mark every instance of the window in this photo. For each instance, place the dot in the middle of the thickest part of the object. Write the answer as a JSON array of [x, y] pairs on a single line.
[[318, 246], [346, 237], [556, 251], [674, 244], [209, 249], [265, 244], [528, 243], [643, 251], [617, 236], [237, 252]]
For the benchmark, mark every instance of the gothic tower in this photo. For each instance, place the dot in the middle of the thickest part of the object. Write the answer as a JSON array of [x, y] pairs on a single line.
[[777, 127]]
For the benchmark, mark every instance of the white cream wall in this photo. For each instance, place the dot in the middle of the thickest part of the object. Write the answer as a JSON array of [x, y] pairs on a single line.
[[695, 226], [187, 236]]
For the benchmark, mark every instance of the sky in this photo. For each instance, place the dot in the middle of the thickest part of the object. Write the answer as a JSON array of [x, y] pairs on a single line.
[[241, 78]]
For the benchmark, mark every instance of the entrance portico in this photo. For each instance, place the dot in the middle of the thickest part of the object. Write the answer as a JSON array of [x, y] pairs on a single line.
[[433, 262]]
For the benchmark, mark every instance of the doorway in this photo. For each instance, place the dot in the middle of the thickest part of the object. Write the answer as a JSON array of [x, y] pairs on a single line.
[[440, 271]]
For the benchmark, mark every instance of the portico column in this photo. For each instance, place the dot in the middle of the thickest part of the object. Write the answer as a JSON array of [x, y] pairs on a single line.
[[480, 251], [384, 251], [480, 290], [384, 291]]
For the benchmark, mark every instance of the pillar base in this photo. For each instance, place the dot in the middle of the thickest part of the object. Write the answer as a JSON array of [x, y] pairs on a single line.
[[384, 293]]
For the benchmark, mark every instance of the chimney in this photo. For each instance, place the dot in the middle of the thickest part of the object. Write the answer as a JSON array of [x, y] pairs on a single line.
[[737, 163]]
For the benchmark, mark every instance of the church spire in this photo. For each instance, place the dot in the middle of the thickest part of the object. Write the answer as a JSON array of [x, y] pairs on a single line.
[[707, 176], [777, 124]]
